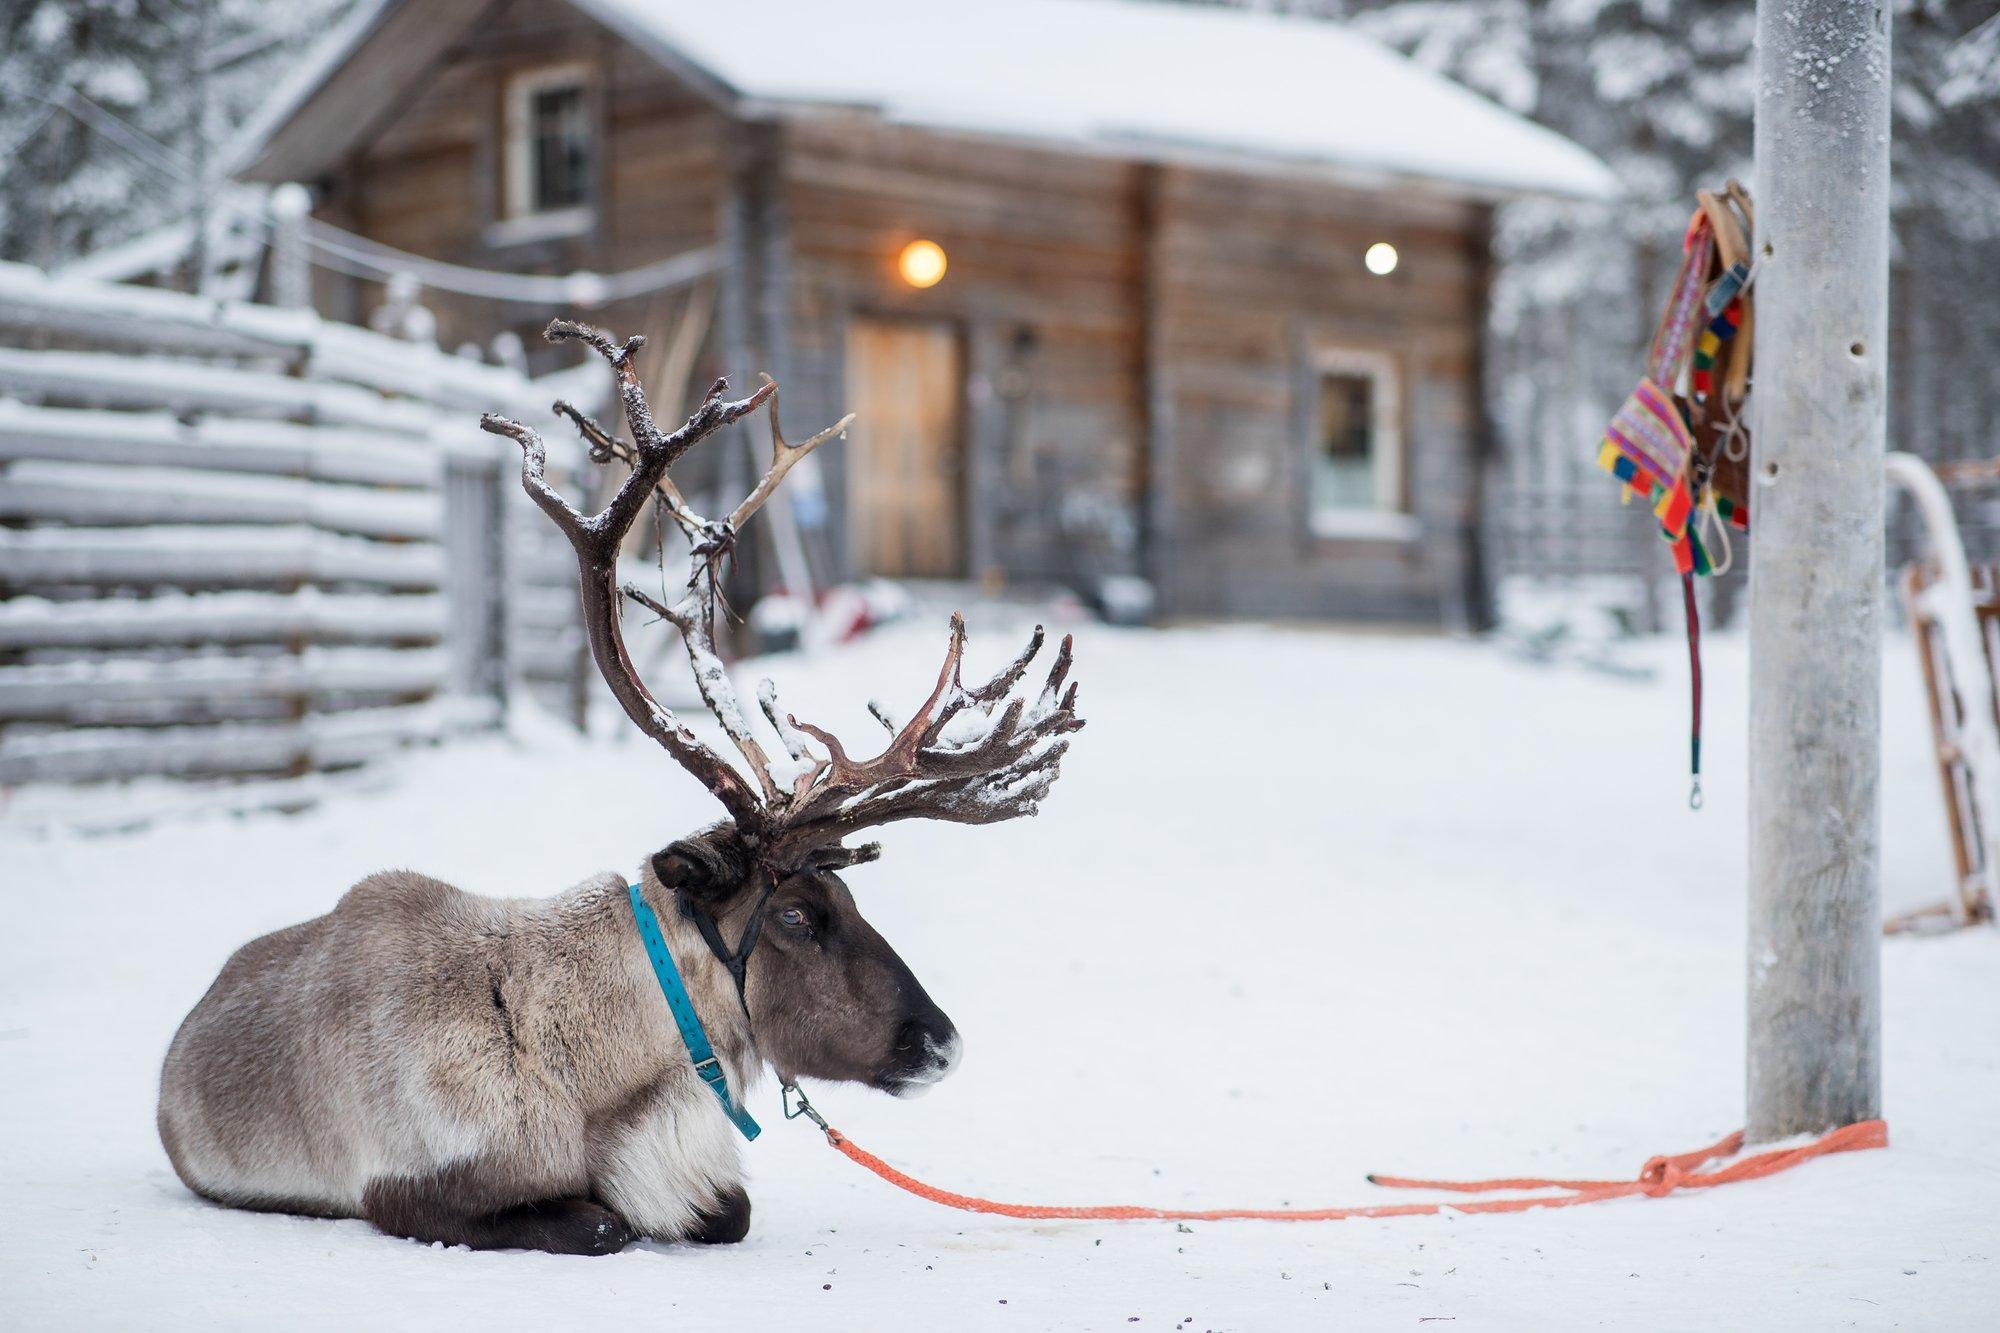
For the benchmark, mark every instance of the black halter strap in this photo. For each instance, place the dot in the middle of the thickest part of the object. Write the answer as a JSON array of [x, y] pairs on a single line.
[[736, 962]]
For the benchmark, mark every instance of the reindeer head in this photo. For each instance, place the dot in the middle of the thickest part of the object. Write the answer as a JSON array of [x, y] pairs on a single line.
[[826, 995]]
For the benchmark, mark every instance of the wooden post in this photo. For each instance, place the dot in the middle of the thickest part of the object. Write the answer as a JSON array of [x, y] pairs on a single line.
[[987, 357], [291, 266], [770, 257], [200, 183], [736, 309], [1471, 606], [1816, 585], [1157, 518]]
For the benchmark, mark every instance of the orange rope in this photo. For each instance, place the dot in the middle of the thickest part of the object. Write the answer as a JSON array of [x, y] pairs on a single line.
[[1660, 1176]]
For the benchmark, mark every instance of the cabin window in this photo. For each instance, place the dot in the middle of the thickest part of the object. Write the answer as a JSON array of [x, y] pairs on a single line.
[[1355, 461], [549, 154]]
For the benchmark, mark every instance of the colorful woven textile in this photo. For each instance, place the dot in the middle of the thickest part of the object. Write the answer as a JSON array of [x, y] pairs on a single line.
[[1674, 338], [1649, 432], [1649, 445]]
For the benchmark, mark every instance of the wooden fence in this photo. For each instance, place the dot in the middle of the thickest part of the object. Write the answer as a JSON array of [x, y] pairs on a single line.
[[1568, 531], [1572, 529], [242, 540]]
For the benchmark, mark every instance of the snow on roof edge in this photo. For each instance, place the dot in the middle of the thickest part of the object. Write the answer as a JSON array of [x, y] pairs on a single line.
[[1282, 88], [297, 88], [1568, 170], [1214, 156]]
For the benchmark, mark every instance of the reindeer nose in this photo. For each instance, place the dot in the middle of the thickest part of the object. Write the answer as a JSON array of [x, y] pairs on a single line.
[[922, 1036], [930, 1031], [928, 1047]]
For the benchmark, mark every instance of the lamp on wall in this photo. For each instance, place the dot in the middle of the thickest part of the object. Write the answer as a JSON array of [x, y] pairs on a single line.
[[921, 264], [1381, 259]]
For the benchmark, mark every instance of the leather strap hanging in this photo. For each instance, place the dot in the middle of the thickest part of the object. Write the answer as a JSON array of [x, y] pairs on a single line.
[[1681, 438]]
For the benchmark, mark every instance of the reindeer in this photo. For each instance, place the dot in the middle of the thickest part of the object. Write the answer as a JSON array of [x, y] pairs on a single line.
[[503, 1073]]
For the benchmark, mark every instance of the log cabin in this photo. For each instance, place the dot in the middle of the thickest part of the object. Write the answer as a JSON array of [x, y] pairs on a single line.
[[1117, 288]]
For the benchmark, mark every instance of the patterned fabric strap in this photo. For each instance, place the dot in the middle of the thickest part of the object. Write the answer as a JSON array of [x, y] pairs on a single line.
[[1648, 429], [1720, 330], [1674, 338]]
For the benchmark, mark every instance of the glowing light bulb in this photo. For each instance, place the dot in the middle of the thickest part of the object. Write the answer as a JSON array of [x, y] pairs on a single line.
[[1381, 259], [922, 263]]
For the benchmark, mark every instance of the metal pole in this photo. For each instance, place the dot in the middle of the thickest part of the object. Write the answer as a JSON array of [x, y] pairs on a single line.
[[1816, 583]]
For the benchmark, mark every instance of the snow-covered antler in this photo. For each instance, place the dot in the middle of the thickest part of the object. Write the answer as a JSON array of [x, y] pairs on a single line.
[[694, 614], [597, 539], [971, 756], [968, 756]]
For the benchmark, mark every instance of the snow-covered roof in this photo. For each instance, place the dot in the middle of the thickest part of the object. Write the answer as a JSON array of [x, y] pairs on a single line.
[[1132, 78]]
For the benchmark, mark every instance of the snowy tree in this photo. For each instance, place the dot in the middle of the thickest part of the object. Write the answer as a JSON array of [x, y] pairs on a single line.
[[1945, 385], [108, 107], [67, 187]]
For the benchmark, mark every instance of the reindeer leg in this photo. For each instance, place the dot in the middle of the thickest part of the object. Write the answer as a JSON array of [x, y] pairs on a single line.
[[559, 1226], [670, 1169], [456, 1207]]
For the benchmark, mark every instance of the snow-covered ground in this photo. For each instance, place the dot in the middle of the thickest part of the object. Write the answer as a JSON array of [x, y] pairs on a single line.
[[1304, 905]]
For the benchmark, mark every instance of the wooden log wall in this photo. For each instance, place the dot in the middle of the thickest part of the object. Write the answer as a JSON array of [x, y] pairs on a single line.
[[1042, 285], [241, 556], [1249, 276], [1136, 338], [430, 181]]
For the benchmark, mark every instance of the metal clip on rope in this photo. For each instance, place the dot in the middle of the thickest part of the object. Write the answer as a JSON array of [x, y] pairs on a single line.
[[796, 1105]]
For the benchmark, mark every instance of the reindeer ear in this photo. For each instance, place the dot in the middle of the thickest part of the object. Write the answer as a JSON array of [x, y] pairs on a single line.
[[702, 867]]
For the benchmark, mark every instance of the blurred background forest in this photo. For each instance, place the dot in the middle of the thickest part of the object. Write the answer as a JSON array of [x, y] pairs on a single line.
[[91, 91]]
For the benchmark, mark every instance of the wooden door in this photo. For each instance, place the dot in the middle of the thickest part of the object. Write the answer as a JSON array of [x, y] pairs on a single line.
[[905, 489]]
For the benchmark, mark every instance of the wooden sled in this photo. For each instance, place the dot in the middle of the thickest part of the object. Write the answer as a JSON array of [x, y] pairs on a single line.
[[1954, 612]]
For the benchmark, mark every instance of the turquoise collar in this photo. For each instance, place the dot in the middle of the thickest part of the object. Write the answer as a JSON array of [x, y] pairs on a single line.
[[682, 1007]]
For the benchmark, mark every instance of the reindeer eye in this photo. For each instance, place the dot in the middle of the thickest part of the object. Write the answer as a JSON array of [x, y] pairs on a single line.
[[794, 918]]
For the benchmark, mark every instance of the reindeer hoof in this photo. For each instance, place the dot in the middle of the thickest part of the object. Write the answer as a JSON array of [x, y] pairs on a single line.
[[724, 1222], [577, 1226]]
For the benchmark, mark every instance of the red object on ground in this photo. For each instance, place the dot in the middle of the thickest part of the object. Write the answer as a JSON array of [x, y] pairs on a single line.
[[1658, 1177]]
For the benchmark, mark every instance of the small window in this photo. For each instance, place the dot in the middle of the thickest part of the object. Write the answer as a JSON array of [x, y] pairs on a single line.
[[1344, 474], [1356, 465], [548, 143]]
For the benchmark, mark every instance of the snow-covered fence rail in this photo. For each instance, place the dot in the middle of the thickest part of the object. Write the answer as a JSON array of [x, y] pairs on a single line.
[[235, 539]]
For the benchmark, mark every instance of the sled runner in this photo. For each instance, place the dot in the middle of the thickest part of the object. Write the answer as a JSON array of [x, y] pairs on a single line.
[[1954, 611]]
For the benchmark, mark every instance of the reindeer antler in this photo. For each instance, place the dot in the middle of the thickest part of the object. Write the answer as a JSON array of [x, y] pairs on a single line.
[[971, 756], [968, 756]]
